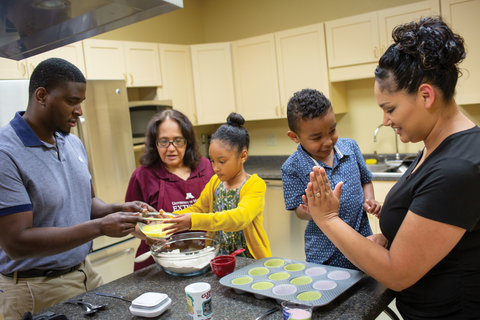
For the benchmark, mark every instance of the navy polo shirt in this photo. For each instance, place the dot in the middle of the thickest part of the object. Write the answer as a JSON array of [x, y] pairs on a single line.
[[51, 181], [349, 167]]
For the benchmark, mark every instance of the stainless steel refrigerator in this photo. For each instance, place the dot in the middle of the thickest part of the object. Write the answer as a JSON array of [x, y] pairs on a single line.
[[106, 133]]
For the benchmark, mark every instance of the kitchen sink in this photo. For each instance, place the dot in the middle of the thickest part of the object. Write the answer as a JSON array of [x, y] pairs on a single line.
[[379, 167], [399, 166]]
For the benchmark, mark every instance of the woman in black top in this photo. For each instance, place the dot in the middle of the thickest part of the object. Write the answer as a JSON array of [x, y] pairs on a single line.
[[429, 252]]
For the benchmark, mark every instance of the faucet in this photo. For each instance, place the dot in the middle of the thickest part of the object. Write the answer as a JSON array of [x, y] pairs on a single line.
[[397, 155]]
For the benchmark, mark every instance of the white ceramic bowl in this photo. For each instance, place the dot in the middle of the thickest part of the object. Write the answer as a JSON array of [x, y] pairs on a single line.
[[186, 254]]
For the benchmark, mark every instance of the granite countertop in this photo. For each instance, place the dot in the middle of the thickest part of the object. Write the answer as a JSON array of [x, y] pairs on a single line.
[[364, 300], [268, 168]]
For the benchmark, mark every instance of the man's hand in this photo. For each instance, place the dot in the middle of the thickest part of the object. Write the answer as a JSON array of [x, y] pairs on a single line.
[[120, 224], [134, 206]]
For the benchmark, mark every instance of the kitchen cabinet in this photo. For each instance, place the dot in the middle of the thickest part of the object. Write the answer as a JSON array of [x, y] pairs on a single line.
[[176, 67], [213, 82], [256, 78], [302, 63], [72, 53], [11, 69], [115, 261], [269, 69], [462, 15], [354, 44], [104, 59], [135, 62], [381, 189], [142, 64], [284, 230]]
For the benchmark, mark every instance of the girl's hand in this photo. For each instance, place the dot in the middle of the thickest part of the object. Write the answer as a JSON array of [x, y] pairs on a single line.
[[181, 223], [372, 206], [379, 238], [322, 202]]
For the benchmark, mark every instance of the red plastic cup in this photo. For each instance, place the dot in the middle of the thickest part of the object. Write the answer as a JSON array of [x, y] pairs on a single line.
[[223, 265]]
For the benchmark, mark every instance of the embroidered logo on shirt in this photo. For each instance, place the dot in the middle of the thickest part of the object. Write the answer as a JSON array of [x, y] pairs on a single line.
[[189, 196]]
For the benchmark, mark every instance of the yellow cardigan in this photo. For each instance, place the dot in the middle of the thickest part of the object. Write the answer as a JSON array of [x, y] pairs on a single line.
[[248, 216]]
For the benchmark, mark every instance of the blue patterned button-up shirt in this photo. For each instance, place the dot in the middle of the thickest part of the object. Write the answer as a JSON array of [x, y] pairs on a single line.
[[349, 167]]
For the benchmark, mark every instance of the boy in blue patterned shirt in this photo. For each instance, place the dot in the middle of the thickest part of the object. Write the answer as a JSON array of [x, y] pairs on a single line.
[[313, 126]]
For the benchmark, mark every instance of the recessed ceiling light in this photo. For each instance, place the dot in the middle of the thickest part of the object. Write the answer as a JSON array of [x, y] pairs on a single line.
[[51, 4]]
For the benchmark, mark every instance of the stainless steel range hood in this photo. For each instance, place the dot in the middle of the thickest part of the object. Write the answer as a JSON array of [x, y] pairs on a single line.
[[30, 27]]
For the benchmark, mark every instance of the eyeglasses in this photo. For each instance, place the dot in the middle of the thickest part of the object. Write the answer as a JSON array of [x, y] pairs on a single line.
[[176, 143]]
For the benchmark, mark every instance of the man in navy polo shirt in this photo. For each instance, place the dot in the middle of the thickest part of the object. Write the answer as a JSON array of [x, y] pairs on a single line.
[[48, 210]]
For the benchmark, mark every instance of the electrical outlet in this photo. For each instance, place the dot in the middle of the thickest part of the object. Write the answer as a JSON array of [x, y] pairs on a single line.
[[271, 140]]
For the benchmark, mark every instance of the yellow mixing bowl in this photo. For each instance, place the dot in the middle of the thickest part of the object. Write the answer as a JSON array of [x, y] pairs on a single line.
[[153, 228]]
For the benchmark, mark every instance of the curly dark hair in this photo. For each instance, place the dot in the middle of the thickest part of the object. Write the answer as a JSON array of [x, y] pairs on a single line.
[[53, 73], [192, 153], [426, 51], [233, 133], [306, 104]]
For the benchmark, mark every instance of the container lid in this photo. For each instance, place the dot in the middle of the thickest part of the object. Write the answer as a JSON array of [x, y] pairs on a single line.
[[151, 312], [197, 288], [149, 300]]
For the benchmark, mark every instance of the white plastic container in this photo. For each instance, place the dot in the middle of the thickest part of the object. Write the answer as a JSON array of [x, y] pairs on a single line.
[[150, 304], [199, 301]]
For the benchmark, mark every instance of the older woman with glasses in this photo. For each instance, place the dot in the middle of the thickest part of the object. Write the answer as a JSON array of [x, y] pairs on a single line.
[[173, 173]]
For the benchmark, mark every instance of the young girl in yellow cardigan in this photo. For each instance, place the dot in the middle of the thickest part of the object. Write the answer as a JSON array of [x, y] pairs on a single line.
[[233, 200]]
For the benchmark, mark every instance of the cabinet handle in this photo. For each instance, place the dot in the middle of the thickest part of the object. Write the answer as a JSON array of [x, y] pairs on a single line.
[[109, 258], [383, 49], [276, 111], [195, 116], [24, 69], [375, 52], [33, 66], [283, 111], [126, 79], [131, 76]]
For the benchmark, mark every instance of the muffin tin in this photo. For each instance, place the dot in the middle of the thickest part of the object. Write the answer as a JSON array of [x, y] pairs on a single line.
[[297, 281]]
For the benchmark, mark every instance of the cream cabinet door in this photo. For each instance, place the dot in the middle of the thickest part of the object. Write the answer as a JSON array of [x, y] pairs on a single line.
[[176, 67], [463, 17], [213, 82], [12, 69], [256, 78], [301, 62], [388, 19], [284, 230], [104, 59], [115, 261], [142, 64], [381, 189], [72, 53], [353, 40], [355, 44]]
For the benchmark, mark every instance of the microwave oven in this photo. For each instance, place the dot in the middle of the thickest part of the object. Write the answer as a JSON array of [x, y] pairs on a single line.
[[140, 114]]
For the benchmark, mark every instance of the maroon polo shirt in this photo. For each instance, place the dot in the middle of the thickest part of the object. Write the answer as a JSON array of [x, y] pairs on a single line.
[[164, 190]]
